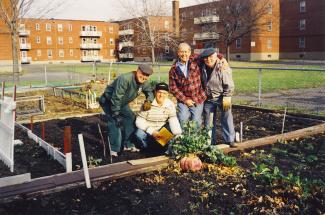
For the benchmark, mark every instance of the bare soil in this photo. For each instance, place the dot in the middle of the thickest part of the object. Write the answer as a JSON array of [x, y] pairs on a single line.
[[214, 190]]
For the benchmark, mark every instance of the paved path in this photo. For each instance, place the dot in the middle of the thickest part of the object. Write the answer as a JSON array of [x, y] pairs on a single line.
[[312, 100]]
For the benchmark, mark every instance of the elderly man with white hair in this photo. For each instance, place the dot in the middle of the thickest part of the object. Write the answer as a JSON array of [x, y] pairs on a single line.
[[185, 85]]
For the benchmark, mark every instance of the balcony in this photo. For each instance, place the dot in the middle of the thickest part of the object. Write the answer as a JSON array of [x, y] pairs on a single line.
[[23, 32], [206, 19], [206, 36], [90, 33], [126, 55], [126, 32], [25, 46], [91, 58], [26, 60], [90, 46], [126, 44]]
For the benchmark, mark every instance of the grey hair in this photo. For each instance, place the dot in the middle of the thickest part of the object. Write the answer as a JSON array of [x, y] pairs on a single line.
[[184, 45]]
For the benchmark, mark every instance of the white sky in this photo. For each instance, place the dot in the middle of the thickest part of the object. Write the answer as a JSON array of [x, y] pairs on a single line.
[[93, 9]]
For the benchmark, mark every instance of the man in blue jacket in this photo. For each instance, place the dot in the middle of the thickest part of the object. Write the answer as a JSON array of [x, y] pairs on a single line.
[[115, 100]]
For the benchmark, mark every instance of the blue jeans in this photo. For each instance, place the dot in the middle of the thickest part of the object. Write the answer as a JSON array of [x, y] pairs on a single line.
[[227, 124], [120, 137], [193, 113]]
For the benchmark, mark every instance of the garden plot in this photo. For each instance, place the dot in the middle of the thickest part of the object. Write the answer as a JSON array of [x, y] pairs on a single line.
[[256, 124], [285, 178]]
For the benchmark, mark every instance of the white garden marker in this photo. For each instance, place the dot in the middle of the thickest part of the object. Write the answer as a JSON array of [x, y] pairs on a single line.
[[84, 160], [284, 119]]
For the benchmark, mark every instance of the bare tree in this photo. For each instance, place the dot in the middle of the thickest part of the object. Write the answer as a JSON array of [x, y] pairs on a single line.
[[238, 18], [146, 16], [11, 13]]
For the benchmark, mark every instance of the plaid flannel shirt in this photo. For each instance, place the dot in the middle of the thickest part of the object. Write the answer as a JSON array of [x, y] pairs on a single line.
[[187, 88]]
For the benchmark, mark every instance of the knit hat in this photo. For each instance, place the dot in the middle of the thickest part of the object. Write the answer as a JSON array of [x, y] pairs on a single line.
[[162, 86]]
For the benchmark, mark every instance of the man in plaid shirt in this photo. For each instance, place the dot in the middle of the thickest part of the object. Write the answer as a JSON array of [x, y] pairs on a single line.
[[185, 85]]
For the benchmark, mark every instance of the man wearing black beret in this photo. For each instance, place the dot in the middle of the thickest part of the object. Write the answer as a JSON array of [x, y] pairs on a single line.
[[216, 76]]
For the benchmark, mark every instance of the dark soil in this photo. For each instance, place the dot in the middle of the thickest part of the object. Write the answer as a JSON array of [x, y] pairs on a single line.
[[214, 190]]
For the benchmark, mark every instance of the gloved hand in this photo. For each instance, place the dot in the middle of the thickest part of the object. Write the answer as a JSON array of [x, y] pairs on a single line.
[[146, 105], [118, 119], [226, 103]]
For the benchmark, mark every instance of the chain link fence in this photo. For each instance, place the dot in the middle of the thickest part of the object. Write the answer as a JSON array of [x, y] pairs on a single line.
[[297, 89]]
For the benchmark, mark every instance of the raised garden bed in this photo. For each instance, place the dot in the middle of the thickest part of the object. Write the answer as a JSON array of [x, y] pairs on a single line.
[[214, 190]]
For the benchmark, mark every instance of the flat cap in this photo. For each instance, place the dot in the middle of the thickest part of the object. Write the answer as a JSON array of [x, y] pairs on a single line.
[[162, 86], [207, 52], [146, 69]]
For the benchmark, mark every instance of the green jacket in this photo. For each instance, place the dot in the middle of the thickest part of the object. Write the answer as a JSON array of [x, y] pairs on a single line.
[[122, 91]]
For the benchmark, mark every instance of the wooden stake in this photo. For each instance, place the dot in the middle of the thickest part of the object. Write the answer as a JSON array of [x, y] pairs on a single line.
[[284, 119], [67, 148], [43, 130], [103, 142], [84, 160]]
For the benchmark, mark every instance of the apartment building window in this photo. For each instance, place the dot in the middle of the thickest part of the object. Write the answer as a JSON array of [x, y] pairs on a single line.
[[269, 26], [22, 27], [302, 24], [302, 6], [60, 40], [71, 52], [110, 29], [269, 43], [269, 9], [70, 27], [166, 24], [183, 16], [238, 43], [37, 27], [61, 53], [167, 49], [39, 53], [191, 14], [302, 42], [111, 41], [49, 53], [38, 39], [60, 27], [48, 27], [70, 40], [48, 40]]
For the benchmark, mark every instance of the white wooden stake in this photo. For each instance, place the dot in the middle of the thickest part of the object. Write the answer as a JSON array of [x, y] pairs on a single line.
[[241, 131], [284, 118], [84, 160], [68, 162]]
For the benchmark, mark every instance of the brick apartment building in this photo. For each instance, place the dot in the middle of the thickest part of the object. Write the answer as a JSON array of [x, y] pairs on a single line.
[[134, 42], [295, 30], [199, 26], [302, 29], [56, 40]]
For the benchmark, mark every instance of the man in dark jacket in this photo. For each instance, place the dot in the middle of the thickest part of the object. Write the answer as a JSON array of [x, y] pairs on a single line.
[[185, 85], [115, 100]]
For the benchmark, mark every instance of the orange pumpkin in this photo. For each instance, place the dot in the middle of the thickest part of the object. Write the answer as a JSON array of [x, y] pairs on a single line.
[[192, 163]]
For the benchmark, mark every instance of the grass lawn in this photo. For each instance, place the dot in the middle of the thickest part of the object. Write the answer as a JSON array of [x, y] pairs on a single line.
[[246, 80]]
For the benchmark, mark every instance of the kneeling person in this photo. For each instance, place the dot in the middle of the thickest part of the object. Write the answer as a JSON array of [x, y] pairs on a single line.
[[162, 112]]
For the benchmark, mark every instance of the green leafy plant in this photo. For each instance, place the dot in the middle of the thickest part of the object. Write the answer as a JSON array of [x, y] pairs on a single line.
[[93, 162], [196, 141]]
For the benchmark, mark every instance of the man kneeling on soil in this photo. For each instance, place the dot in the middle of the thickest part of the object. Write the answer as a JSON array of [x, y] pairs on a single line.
[[115, 103], [162, 113]]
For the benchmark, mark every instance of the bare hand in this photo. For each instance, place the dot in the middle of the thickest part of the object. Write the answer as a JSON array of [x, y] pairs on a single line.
[[156, 135], [190, 102]]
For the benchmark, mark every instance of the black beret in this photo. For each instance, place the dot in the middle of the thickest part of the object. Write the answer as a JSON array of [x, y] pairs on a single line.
[[162, 86], [146, 69], [207, 52]]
